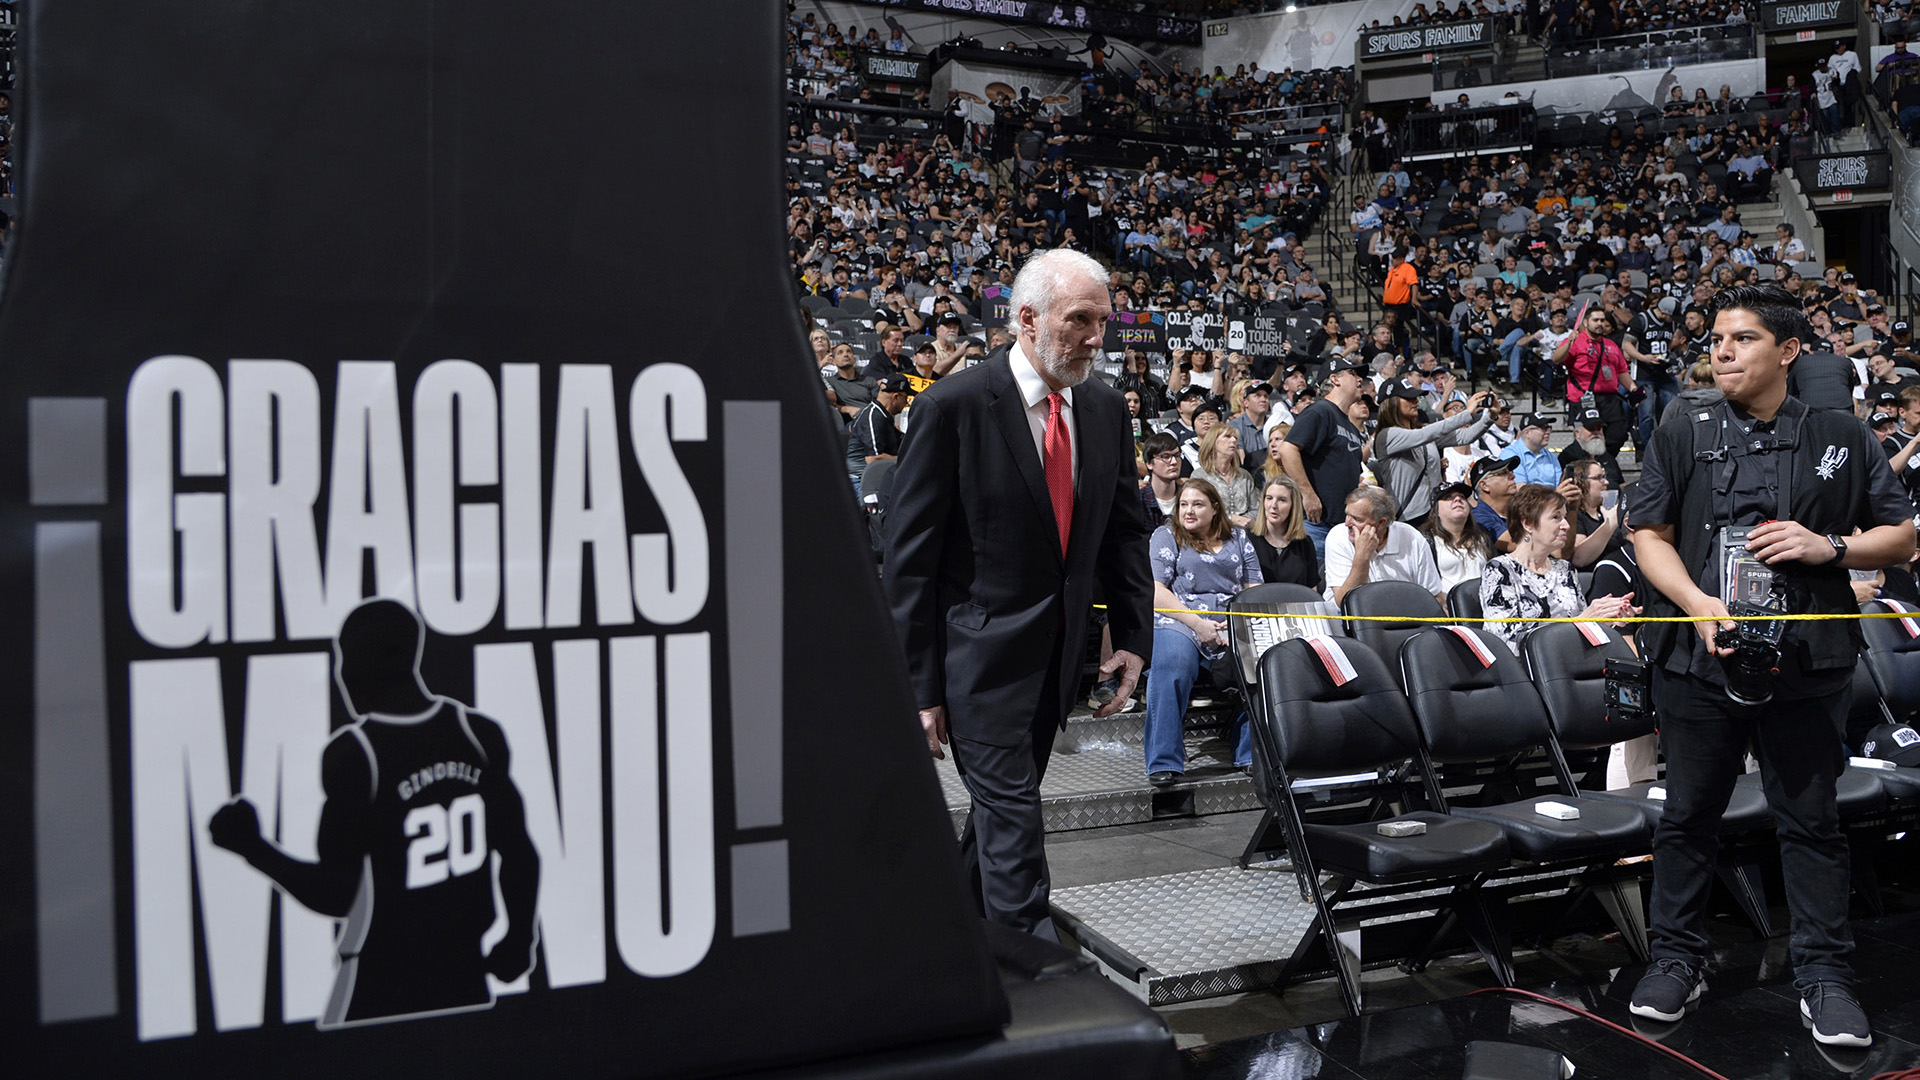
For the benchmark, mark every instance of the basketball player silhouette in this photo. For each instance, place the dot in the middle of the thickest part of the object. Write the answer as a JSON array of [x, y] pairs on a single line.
[[418, 804]]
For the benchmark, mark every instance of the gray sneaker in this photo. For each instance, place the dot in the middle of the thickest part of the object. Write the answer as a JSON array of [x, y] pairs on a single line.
[[1666, 990], [1835, 1015]]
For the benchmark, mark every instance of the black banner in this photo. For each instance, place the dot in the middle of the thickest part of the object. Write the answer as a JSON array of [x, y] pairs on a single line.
[[886, 67], [1136, 330], [995, 313], [355, 516], [1870, 170], [1808, 14], [1262, 335], [1125, 24], [1402, 40], [1207, 330]]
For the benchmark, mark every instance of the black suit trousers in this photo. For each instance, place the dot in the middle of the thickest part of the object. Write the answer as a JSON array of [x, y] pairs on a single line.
[[1002, 847]]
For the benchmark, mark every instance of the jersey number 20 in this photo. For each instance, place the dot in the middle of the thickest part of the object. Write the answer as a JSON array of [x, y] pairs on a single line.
[[450, 840]]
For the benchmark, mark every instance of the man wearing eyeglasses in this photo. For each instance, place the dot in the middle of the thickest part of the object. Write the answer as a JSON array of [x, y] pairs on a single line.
[[1162, 488]]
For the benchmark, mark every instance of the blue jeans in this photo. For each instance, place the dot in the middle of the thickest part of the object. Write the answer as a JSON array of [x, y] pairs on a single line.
[[1514, 353], [1661, 390], [1318, 532], [1176, 666]]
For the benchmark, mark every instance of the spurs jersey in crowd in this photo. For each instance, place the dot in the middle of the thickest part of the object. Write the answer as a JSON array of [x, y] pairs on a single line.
[[411, 944]]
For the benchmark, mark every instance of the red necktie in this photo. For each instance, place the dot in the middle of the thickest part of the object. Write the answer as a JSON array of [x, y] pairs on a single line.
[[1058, 462]]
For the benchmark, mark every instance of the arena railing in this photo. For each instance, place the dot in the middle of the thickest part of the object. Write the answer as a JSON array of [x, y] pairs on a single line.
[[1487, 129], [1652, 49]]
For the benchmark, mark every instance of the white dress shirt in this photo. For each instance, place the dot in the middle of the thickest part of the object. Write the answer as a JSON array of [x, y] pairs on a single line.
[[1404, 557], [1034, 391]]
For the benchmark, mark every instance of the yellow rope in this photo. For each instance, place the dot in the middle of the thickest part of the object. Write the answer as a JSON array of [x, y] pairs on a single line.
[[1450, 620]]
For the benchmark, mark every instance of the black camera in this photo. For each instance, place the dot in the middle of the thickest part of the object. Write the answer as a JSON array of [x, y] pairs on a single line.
[[1755, 640], [1629, 689]]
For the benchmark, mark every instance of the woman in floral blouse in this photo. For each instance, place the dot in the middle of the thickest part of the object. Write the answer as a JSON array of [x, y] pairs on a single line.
[[1531, 583], [1200, 560]]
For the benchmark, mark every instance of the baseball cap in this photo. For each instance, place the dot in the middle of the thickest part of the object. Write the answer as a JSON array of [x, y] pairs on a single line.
[[1536, 420], [1489, 466], [1898, 743], [1457, 487], [1887, 397], [1879, 418], [1401, 388], [895, 384], [1194, 391], [1342, 363], [1258, 386], [1588, 418], [1902, 326], [1848, 277]]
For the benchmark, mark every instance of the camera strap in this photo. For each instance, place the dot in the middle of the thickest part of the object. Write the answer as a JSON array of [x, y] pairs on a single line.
[[1722, 458]]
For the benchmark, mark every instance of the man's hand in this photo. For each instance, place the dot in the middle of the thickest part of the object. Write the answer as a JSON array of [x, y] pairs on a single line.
[[1711, 616], [1126, 664], [1366, 542], [1312, 506], [1479, 401], [934, 722], [1789, 541], [236, 827]]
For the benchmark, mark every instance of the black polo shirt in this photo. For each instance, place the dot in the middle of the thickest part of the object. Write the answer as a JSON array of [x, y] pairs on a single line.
[[858, 390], [1839, 483], [871, 434]]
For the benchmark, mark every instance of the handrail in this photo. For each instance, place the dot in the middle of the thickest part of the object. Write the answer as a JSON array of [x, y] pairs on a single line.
[[1677, 35], [1312, 108]]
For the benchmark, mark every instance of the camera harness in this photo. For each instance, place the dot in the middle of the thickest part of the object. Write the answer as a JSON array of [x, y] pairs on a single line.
[[1722, 457]]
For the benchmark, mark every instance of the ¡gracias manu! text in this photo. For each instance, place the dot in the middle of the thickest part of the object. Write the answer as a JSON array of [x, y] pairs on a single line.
[[207, 565], [224, 503]]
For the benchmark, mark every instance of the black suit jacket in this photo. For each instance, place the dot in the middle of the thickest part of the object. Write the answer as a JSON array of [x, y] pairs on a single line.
[[979, 587]]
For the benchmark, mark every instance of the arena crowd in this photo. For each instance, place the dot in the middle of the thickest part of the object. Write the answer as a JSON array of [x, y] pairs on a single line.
[[1398, 449]]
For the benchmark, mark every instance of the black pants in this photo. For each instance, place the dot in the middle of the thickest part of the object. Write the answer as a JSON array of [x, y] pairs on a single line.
[[1003, 845], [1613, 414], [1705, 737]]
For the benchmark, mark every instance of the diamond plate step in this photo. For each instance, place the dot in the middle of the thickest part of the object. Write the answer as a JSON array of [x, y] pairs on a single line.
[[1209, 933], [1181, 937], [1094, 782]]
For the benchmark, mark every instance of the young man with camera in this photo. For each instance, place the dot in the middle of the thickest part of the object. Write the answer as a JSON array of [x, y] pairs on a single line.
[[1749, 504]]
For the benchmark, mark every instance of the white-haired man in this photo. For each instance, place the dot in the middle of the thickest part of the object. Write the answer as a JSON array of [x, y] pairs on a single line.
[[1014, 494]]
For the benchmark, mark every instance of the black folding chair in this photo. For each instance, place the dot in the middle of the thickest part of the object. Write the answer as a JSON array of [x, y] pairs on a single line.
[[1463, 600], [1268, 840], [1396, 600], [1339, 715], [1475, 703], [1569, 671]]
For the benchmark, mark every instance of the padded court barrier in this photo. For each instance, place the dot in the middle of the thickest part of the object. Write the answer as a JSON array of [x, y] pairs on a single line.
[[312, 303]]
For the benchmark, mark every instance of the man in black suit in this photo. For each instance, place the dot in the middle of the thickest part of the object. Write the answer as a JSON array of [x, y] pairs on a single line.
[[1015, 492]]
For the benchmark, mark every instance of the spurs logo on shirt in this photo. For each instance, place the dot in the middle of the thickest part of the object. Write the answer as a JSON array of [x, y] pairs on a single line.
[[1831, 461]]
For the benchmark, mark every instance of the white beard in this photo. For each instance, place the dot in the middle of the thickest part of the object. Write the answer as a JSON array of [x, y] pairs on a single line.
[[1060, 368]]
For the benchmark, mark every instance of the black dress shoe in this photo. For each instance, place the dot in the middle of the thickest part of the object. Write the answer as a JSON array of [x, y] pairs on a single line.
[[1162, 779]]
